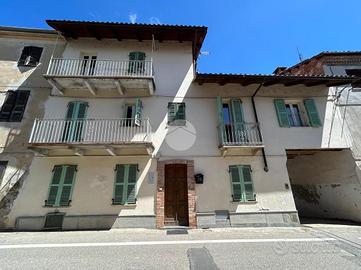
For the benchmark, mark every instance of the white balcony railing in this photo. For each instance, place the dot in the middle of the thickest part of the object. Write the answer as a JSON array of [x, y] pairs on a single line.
[[90, 131], [99, 68], [240, 134]]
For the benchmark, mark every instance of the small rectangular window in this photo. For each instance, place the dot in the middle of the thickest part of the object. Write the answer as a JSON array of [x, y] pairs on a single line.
[[297, 113], [14, 105], [54, 221], [176, 114], [125, 184], [241, 183], [61, 185], [30, 56]]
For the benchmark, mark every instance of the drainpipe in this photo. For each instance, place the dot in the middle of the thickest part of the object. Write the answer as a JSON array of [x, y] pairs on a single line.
[[259, 130]]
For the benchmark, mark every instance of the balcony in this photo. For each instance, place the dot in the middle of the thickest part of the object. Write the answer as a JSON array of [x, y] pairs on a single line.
[[96, 137], [236, 138], [105, 78]]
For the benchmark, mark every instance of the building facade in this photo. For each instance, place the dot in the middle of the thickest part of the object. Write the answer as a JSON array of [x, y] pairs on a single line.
[[132, 136], [328, 185], [24, 58]]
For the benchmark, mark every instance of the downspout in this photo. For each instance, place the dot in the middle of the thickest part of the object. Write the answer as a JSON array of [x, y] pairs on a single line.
[[258, 128]]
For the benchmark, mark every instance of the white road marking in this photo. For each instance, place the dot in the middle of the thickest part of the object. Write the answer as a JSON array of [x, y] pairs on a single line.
[[154, 243]]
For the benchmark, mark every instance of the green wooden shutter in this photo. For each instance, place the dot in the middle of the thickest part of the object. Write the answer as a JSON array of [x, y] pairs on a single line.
[[67, 184], [247, 183], [119, 184], [181, 111], [221, 128], [172, 112], [125, 184], [235, 183], [281, 113], [312, 112], [70, 111], [54, 186], [138, 112], [131, 183], [61, 186], [20, 105], [238, 127], [74, 129], [81, 109]]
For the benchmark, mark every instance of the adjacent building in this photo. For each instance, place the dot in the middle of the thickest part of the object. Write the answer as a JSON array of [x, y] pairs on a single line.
[[24, 58], [131, 135], [325, 184]]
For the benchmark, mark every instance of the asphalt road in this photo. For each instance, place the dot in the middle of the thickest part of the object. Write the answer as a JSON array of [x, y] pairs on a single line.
[[317, 247]]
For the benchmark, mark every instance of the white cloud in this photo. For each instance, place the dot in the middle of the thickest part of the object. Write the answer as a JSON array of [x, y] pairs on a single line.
[[133, 17], [154, 20]]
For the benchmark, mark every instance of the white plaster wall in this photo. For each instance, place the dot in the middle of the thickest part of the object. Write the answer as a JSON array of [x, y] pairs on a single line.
[[172, 61]]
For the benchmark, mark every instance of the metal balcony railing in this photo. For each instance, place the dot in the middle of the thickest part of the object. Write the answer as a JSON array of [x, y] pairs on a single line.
[[240, 134], [99, 68], [90, 131]]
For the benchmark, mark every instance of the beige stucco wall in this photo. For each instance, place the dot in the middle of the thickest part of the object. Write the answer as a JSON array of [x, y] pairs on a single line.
[[93, 188]]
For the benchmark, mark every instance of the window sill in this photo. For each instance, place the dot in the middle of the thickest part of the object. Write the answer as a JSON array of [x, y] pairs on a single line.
[[23, 65], [132, 205], [54, 206], [240, 202]]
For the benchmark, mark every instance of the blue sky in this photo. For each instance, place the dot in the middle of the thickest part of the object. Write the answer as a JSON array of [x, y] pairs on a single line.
[[244, 36]]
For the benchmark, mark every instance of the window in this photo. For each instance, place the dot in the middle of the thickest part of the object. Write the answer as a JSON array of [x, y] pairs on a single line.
[[75, 124], [54, 221], [125, 184], [88, 65], [14, 106], [241, 183], [3, 165], [356, 73], [133, 113], [176, 114], [297, 113], [61, 185], [226, 114], [294, 115], [136, 62], [30, 56], [231, 123]]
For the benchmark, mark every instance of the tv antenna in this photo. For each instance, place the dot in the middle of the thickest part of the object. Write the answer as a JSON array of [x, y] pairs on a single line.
[[300, 57]]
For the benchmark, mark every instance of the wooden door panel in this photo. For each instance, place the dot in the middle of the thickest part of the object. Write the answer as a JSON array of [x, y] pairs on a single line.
[[176, 195]]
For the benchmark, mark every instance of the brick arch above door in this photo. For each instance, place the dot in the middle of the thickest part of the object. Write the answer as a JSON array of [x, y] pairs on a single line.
[[161, 191]]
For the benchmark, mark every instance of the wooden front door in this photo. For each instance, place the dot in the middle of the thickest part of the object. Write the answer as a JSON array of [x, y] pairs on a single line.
[[176, 195]]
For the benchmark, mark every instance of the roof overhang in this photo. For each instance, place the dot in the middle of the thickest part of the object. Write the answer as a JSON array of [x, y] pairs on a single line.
[[137, 31], [268, 80]]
